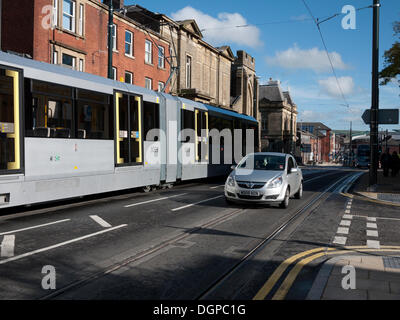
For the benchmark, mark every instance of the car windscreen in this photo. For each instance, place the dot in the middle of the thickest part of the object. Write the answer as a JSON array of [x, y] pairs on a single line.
[[263, 162]]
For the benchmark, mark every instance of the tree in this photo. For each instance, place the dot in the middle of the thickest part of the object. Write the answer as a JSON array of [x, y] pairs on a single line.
[[392, 59]]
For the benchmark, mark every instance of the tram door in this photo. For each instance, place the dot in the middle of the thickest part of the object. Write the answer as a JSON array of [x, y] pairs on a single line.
[[129, 142], [201, 129], [10, 136]]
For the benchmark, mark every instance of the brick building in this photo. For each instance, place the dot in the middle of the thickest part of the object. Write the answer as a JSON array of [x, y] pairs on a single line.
[[76, 36], [323, 133]]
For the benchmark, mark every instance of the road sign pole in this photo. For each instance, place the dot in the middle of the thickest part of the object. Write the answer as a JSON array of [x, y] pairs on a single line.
[[373, 171]]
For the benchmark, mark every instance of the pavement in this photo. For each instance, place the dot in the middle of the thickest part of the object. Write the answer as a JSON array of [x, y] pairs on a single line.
[[370, 272], [387, 189]]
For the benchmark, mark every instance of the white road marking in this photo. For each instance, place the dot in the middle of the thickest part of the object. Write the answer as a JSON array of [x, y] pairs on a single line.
[[34, 227], [31, 253], [372, 233], [347, 211], [349, 207], [372, 225], [373, 244], [101, 222], [347, 216], [215, 187], [193, 204], [345, 223], [371, 219], [342, 230], [7, 246], [154, 200], [340, 240]]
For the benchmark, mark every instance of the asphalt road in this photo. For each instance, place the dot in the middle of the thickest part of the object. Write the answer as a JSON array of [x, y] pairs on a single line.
[[180, 243]]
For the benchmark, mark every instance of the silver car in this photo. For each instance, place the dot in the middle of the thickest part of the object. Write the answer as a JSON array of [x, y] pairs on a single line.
[[265, 177]]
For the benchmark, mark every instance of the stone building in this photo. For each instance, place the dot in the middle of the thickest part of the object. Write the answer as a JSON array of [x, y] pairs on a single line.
[[278, 118]]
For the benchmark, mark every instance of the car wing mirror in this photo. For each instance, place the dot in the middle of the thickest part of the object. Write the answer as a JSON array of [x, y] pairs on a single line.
[[233, 167]]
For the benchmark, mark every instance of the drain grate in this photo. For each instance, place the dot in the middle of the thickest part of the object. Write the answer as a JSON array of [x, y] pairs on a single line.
[[391, 262]]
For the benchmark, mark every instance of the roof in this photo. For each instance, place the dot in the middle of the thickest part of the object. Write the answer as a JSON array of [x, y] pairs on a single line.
[[271, 92], [230, 113], [317, 125]]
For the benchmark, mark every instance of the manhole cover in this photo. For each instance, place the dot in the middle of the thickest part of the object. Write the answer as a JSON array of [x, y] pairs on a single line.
[[391, 262]]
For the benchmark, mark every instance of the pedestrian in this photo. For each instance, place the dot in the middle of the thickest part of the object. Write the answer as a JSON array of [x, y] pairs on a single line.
[[386, 160], [395, 164]]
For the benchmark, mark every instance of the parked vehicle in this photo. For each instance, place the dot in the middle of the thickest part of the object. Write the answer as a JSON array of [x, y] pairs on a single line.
[[265, 177]]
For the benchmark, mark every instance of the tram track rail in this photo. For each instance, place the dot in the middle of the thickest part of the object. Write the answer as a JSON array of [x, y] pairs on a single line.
[[190, 232]]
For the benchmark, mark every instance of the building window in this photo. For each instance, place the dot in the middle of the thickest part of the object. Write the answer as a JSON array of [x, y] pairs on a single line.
[[148, 83], [128, 43], [148, 52], [55, 13], [114, 37], [264, 124], [161, 55], [114, 73], [128, 77], [55, 57], [69, 15], [161, 86], [188, 72], [80, 30], [68, 61], [81, 67]]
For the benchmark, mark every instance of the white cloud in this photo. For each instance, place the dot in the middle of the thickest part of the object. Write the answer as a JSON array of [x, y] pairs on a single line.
[[314, 59], [330, 86], [219, 31]]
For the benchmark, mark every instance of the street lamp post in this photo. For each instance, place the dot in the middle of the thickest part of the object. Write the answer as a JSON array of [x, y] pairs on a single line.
[[110, 39], [373, 173]]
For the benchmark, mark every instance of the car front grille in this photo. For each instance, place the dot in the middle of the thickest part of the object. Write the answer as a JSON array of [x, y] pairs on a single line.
[[250, 197], [250, 185]]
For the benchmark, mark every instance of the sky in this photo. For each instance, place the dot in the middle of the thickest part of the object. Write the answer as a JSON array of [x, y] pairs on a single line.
[[287, 46]]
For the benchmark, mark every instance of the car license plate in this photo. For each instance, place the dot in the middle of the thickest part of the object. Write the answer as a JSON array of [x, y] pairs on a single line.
[[249, 193]]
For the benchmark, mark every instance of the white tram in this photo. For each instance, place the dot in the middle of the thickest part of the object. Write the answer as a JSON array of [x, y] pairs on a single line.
[[66, 134]]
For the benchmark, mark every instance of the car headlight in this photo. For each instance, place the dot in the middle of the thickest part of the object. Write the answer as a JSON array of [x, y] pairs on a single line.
[[231, 181], [277, 182]]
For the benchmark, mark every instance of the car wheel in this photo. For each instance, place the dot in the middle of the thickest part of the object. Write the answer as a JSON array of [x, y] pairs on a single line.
[[299, 193], [285, 203]]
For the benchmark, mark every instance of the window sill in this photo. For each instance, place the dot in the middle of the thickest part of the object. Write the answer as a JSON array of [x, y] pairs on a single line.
[[161, 68], [130, 56], [72, 33], [149, 64]]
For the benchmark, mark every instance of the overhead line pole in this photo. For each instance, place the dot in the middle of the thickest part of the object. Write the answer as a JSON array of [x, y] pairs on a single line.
[[110, 39], [373, 172]]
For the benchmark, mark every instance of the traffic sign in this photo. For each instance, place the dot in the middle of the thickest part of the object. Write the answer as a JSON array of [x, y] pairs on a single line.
[[385, 116]]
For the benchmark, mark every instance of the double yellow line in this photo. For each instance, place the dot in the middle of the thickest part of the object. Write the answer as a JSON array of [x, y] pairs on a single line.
[[310, 256]]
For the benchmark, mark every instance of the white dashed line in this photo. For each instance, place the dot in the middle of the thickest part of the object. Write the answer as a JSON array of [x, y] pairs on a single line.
[[372, 233], [347, 216], [34, 227], [154, 200], [347, 211], [371, 219], [342, 230], [373, 244], [7, 246], [215, 187], [193, 204], [346, 223], [371, 225], [31, 253], [340, 240], [101, 222]]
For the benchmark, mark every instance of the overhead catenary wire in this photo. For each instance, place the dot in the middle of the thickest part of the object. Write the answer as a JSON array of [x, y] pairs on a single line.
[[326, 50]]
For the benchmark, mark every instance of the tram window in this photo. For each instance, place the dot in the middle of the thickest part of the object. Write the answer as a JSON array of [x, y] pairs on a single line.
[[94, 116], [7, 152], [49, 111], [188, 123], [151, 119]]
